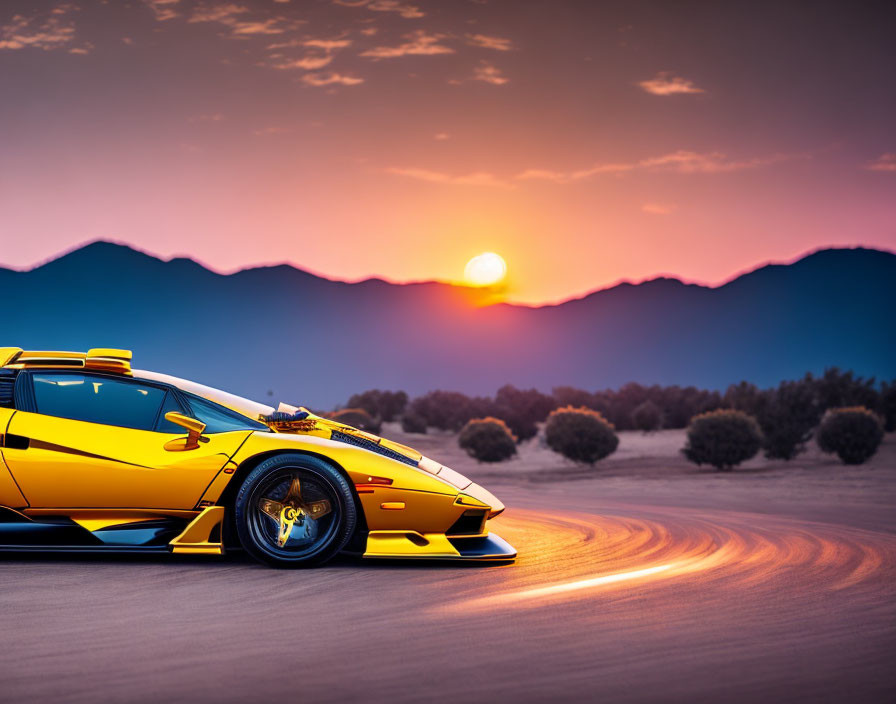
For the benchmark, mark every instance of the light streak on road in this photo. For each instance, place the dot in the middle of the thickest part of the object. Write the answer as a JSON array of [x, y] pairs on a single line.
[[585, 583]]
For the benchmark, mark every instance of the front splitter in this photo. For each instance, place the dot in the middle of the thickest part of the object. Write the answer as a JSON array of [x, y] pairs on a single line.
[[408, 545]]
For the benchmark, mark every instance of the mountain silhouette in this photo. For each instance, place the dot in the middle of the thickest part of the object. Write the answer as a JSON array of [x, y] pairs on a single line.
[[279, 333]]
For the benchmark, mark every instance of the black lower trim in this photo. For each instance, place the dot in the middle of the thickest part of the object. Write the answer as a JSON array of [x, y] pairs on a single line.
[[61, 532], [489, 547], [86, 548]]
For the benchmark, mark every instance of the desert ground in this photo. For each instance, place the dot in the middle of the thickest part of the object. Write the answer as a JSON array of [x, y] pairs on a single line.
[[642, 579]]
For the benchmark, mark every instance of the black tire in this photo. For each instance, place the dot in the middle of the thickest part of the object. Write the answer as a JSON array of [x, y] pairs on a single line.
[[293, 486]]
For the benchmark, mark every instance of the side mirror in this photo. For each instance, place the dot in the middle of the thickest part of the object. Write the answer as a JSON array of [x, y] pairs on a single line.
[[194, 430]]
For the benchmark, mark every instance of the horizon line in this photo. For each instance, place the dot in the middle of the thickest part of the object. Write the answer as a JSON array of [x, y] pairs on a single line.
[[622, 281]]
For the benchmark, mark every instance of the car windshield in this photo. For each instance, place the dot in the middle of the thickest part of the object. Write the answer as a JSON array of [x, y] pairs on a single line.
[[250, 409]]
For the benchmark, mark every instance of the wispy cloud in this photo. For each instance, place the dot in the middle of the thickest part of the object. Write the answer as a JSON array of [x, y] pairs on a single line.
[[163, 9], [885, 162], [682, 162], [323, 55], [478, 178], [403, 9], [570, 176], [489, 74], [306, 63], [331, 78], [419, 44], [225, 14], [665, 83], [687, 162], [270, 26], [328, 44], [234, 16], [55, 30], [487, 42]]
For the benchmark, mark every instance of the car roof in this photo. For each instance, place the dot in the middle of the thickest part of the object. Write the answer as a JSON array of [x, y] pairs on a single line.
[[118, 361]]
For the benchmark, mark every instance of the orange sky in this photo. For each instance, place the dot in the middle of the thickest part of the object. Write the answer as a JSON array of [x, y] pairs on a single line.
[[586, 142]]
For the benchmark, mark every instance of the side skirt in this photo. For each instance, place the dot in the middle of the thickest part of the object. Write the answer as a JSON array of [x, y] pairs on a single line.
[[118, 549], [410, 545], [62, 533]]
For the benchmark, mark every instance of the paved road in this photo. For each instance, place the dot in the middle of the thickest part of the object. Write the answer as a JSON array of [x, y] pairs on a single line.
[[609, 601]]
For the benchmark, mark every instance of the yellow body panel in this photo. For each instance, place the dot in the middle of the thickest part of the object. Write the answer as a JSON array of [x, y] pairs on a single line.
[[424, 511], [73, 464], [360, 464], [93, 522], [408, 544], [10, 496], [9, 354], [197, 537]]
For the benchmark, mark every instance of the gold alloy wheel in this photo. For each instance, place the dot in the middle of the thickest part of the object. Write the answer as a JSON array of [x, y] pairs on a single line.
[[292, 510]]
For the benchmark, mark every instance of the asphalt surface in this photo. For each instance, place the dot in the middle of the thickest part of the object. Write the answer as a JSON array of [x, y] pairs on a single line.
[[609, 601]]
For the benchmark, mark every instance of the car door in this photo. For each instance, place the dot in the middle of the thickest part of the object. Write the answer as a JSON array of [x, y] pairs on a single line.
[[81, 440]]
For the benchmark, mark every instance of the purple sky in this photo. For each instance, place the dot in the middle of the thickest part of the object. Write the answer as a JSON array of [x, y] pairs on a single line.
[[584, 141]]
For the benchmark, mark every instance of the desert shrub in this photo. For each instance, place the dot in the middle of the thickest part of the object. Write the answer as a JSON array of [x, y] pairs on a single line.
[[745, 397], [412, 423], [384, 404], [570, 396], [680, 405], [580, 434], [522, 410], [787, 416], [487, 440], [445, 410], [836, 389], [647, 416], [602, 402], [722, 438], [358, 418], [888, 405], [522, 427], [623, 402], [853, 434]]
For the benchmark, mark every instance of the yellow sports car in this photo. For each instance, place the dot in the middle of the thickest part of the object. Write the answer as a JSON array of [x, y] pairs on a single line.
[[95, 455]]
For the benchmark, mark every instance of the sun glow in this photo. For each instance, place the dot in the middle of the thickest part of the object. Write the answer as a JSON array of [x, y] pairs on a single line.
[[486, 269]]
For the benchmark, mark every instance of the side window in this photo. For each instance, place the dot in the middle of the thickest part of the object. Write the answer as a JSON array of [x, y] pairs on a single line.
[[218, 419], [97, 399], [166, 426]]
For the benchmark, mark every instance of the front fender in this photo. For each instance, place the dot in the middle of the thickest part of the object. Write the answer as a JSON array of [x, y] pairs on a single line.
[[361, 465], [415, 499]]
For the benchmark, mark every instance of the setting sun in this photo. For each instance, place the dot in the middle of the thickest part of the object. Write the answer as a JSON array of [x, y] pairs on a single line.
[[486, 269]]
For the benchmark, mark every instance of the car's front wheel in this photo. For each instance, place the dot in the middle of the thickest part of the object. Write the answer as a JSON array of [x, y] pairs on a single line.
[[294, 510]]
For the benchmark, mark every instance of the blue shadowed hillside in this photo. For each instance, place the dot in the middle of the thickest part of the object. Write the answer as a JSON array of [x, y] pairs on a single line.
[[314, 341]]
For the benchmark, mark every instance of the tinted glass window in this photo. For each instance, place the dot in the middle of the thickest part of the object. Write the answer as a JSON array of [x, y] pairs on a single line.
[[97, 399], [218, 419], [166, 426]]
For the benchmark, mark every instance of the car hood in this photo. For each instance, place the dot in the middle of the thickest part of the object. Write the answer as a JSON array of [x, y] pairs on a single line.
[[303, 422]]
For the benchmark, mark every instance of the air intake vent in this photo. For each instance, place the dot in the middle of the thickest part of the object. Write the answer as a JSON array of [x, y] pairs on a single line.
[[7, 388], [370, 445]]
